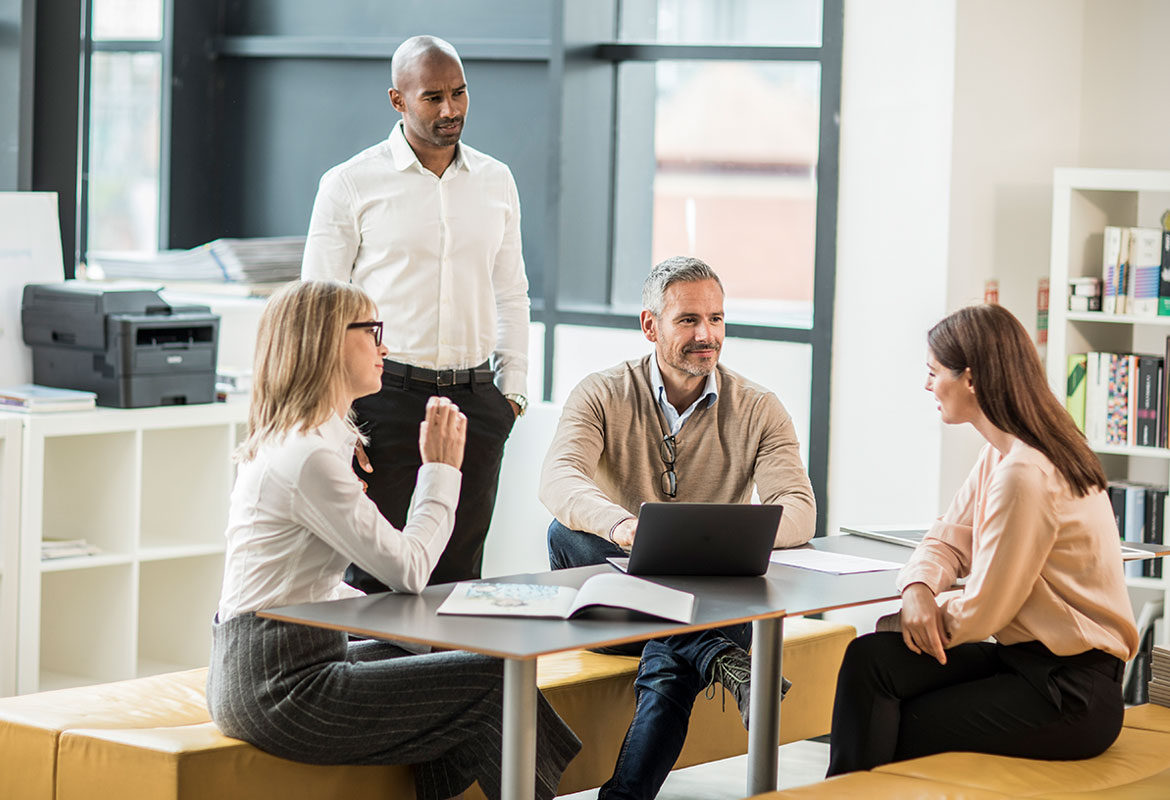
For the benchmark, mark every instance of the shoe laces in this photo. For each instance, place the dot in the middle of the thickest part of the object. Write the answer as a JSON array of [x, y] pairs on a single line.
[[730, 672]]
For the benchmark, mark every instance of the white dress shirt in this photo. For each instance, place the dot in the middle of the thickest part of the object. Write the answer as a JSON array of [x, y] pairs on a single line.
[[299, 516], [674, 420], [440, 256]]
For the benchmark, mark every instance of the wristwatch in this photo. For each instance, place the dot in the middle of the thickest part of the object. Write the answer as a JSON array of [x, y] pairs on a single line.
[[519, 400]]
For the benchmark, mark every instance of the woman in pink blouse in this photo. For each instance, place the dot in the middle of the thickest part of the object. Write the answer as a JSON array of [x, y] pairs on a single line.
[[1026, 660]]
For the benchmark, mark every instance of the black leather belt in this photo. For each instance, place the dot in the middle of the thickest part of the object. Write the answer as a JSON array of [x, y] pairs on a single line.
[[440, 377]]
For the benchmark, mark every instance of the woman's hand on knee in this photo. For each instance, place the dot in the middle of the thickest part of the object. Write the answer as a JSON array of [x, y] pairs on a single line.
[[923, 625], [442, 433]]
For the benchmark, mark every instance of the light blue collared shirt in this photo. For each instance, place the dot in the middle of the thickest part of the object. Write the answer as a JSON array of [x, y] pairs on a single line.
[[674, 420]]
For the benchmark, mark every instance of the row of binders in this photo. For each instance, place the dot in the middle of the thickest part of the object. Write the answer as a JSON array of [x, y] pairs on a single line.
[[1120, 399], [1140, 512]]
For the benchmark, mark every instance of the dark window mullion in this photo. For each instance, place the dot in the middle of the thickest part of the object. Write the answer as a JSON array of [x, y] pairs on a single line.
[[648, 51]]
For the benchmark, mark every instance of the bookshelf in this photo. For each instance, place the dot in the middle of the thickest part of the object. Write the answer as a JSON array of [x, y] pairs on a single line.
[[9, 550], [150, 487], [1084, 201]]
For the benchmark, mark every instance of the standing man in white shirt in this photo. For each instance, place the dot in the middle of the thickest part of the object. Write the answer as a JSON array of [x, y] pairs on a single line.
[[430, 228]]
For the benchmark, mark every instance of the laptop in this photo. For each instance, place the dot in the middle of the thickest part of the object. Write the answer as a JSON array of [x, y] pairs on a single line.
[[702, 539], [905, 535]]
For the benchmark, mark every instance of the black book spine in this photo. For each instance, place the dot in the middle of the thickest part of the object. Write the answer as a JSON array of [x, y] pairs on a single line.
[[1117, 500], [1154, 530], [1147, 401]]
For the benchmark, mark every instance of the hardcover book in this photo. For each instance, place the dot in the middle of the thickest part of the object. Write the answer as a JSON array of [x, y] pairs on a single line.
[[1145, 267], [1145, 423], [1113, 270], [1074, 399]]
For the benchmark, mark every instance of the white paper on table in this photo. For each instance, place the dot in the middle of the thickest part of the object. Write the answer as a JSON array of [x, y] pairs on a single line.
[[835, 563]]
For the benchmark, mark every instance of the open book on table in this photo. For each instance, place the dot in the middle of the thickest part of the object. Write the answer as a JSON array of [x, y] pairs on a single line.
[[487, 598]]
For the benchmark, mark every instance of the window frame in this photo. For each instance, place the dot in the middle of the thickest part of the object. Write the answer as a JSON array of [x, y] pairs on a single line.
[[553, 310], [164, 46]]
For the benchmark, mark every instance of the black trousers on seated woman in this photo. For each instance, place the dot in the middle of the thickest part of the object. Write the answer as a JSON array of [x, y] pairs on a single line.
[[1013, 700]]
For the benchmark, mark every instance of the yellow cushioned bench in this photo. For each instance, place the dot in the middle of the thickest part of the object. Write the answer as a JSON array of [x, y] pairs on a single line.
[[152, 737], [1136, 767]]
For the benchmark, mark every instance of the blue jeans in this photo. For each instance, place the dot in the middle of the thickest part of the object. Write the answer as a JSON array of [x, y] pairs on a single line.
[[672, 672]]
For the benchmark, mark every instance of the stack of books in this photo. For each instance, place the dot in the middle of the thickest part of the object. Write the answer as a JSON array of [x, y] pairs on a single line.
[[1159, 687], [1134, 261], [1139, 509], [265, 260], [1120, 399], [67, 548], [33, 399]]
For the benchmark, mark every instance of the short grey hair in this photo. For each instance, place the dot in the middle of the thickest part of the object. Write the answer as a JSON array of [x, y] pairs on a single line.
[[677, 269]]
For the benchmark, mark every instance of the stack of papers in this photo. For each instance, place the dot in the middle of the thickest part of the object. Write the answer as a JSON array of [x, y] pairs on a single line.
[[1160, 676], [33, 399], [274, 259], [67, 548], [834, 563]]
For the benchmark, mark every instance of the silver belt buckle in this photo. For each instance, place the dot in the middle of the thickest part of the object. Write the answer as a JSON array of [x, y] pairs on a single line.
[[444, 377]]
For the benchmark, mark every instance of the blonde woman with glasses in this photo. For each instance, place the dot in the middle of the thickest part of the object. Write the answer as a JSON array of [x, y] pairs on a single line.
[[298, 517]]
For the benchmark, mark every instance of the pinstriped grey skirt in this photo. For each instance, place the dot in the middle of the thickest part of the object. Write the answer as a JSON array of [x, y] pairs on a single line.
[[310, 695]]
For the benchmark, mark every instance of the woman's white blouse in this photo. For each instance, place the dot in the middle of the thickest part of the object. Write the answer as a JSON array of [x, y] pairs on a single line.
[[299, 516]]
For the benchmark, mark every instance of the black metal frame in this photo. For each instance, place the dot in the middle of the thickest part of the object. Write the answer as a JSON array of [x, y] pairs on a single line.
[[552, 311], [191, 191]]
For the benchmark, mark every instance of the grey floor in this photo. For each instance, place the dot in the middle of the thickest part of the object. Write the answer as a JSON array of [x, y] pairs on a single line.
[[800, 763]]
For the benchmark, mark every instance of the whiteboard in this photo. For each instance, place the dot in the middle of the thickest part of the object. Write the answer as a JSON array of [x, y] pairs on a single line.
[[30, 252]]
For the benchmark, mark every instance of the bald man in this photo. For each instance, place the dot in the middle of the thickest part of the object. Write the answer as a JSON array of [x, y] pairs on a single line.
[[430, 228]]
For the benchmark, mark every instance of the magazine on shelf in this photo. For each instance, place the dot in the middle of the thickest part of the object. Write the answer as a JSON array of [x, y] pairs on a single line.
[[488, 598], [67, 548], [33, 398]]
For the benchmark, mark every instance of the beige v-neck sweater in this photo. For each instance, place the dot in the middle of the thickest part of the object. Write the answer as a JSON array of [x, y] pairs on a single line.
[[604, 461]]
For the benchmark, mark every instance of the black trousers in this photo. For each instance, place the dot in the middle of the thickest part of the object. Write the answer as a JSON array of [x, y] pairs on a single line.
[[391, 420], [1015, 700]]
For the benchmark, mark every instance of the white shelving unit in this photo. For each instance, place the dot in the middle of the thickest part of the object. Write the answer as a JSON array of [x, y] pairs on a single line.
[[1084, 202], [9, 550], [150, 487]]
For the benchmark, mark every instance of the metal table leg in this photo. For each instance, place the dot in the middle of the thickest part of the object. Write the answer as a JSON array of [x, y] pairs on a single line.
[[518, 778], [764, 733]]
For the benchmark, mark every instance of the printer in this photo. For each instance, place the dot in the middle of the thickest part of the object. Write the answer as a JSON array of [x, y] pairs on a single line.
[[128, 345]]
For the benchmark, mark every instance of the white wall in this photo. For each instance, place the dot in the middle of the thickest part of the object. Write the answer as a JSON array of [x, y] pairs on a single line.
[[1017, 114], [1125, 115], [896, 110]]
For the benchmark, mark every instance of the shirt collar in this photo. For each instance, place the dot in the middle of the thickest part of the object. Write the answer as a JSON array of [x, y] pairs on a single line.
[[338, 435], [404, 157], [710, 391]]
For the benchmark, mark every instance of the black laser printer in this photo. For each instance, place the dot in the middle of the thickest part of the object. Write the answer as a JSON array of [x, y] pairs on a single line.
[[127, 345]]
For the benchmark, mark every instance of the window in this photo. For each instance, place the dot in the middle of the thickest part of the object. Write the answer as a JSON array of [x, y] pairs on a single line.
[[122, 152]]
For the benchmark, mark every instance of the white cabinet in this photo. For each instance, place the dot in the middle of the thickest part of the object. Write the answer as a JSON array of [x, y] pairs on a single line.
[[150, 487], [9, 549], [1084, 201]]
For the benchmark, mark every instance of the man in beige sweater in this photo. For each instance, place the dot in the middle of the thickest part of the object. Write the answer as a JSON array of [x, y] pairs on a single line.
[[674, 425]]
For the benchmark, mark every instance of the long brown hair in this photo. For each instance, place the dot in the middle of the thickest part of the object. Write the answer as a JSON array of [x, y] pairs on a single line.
[[1011, 388], [298, 370]]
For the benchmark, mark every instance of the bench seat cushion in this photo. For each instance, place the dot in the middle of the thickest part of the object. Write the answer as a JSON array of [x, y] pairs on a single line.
[[154, 736], [31, 724], [881, 786], [197, 762], [1136, 755]]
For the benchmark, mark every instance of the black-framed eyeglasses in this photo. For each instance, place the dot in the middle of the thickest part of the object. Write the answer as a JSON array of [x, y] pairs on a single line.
[[668, 482], [374, 327]]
